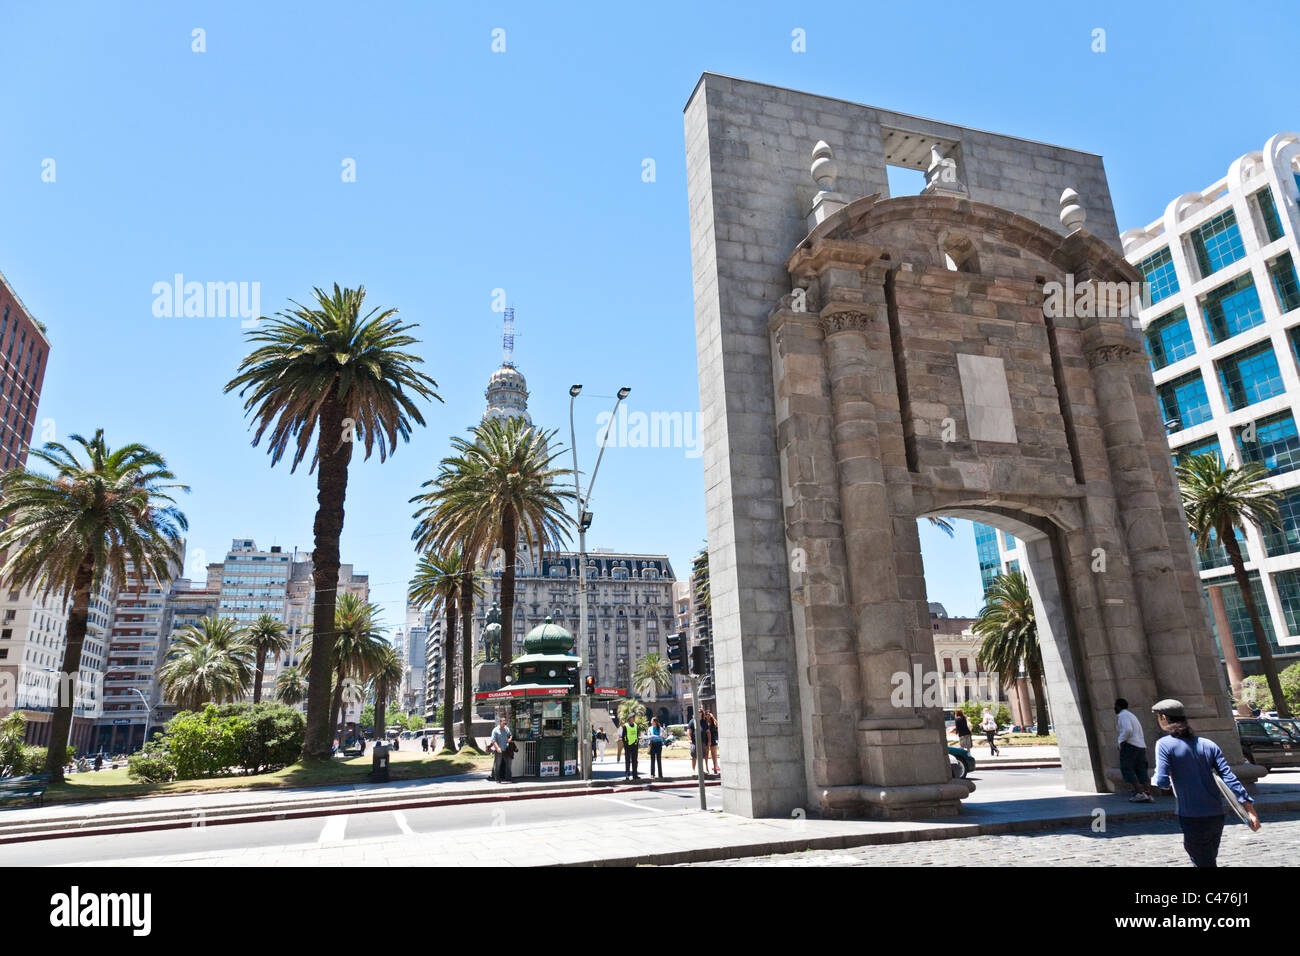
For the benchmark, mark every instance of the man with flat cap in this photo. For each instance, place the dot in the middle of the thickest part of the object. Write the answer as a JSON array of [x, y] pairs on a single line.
[[1189, 764]]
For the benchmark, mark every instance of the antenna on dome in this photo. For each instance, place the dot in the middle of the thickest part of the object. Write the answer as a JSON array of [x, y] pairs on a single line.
[[508, 339]]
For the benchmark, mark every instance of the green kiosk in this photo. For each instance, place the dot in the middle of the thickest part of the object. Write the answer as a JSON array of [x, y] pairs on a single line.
[[541, 703]]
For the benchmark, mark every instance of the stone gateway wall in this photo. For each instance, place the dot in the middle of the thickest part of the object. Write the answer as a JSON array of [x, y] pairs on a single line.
[[865, 361]]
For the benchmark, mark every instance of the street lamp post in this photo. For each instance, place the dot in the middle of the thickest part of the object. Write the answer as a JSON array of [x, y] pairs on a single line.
[[584, 521], [147, 712]]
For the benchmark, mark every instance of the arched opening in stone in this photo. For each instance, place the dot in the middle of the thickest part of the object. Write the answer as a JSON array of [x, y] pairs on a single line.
[[960, 254], [956, 582]]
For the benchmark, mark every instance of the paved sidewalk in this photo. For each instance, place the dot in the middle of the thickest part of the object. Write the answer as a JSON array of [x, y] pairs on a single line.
[[695, 836]]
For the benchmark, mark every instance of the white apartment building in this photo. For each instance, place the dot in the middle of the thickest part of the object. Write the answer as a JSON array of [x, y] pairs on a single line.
[[1223, 331], [33, 635]]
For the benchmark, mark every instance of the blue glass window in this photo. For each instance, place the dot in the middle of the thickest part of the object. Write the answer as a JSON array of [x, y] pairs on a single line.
[[1013, 567], [1243, 634], [1184, 402], [986, 546], [1215, 554], [1250, 376], [1169, 339], [1217, 243], [1276, 445], [1285, 536], [1282, 270], [1008, 542], [1268, 212], [1288, 589], [1162, 279], [1208, 446], [1232, 308]]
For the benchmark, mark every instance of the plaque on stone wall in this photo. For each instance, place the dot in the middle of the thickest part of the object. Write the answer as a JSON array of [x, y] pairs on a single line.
[[773, 693]]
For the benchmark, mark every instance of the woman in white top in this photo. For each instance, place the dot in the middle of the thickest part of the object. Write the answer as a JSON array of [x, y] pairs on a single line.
[[601, 740], [990, 728]]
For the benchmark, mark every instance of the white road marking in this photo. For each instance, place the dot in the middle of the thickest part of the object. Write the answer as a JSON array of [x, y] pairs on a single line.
[[335, 827], [626, 803], [402, 825]]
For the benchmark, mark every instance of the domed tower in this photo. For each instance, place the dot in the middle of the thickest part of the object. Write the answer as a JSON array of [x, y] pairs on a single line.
[[507, 391]]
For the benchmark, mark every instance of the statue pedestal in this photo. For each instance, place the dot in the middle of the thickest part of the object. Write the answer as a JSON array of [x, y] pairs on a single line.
[[487, 676]]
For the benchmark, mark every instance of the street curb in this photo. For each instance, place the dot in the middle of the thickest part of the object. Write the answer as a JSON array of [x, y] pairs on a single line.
[[263, 813], [853, 840]]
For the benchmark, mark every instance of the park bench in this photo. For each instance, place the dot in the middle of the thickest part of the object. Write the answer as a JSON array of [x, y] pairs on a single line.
[[24, 788]]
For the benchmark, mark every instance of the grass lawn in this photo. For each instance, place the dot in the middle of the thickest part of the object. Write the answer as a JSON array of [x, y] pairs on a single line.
[[403, 765]]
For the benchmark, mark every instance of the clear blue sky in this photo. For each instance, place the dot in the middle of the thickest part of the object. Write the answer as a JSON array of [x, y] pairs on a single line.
[[519, 170]]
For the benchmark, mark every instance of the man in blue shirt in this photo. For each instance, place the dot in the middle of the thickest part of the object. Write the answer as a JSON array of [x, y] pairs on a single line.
[[1189, 764]]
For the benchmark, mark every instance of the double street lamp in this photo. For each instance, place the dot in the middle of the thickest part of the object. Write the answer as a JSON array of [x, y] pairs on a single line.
[[584, 522]]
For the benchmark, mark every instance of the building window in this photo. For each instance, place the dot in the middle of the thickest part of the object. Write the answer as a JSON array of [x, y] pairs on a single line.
[[1184, 402], [1276, 443], [1162, 280], [1232, 308], [1169, 339], [1243, 635], [1268, 212], [1217, 243], [1250, 376], [986, 546], [1288, 589], [1209, 446], [1282, 271], [1284, 537]]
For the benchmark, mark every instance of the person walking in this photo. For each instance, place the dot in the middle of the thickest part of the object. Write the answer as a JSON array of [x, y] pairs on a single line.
[[499, 745], [961, 727], [1132, 752], [1189, 764], [593, 744], [424, 744], [656, 747], [695, 732], [711, 722], [628, 734], [990, 727], [602, 739]]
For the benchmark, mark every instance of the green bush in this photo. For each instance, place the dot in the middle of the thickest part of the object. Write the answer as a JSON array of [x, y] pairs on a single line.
[[151, 766], [204, 744], [1255, 692], [273, 737]]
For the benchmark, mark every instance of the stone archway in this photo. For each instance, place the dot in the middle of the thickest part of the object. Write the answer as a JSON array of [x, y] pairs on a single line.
[[870, 362]]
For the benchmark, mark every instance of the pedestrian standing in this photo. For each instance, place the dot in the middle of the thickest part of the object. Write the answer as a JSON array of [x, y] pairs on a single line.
[[711, 720], [424, 744], [499, 745], [990, 727], [961, 727], [629, 736], [1189, 764], [1132, 752], [656, 747], [602, 739], [693, 730], [593, 744], [618, 754]]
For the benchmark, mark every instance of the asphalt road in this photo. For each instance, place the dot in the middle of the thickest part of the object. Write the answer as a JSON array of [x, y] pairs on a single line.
[[337, 829]]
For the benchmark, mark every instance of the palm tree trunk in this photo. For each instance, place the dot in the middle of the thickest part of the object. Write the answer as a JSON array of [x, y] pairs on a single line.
[[467, 655], [336, 707], [379, 712], [331, 490], [257, 678], [510, 545], [1035, 669], [67, 679], [1261, 639], [449, 678]]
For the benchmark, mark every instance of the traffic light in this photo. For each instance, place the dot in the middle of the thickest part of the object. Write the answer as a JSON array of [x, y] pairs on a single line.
[[677, 653], [590, 683], [699, 660]]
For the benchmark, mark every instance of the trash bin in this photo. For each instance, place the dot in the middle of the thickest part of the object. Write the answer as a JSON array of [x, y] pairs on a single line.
[[379, 764]]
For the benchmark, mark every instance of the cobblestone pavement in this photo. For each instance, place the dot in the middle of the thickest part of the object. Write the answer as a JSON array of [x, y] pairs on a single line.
[[1148, 843]]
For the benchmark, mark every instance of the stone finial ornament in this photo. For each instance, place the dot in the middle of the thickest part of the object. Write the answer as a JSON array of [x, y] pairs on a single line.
[[1072, 213], [823, 167]]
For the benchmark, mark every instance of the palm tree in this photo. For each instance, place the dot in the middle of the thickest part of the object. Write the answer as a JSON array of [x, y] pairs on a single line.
[[436, 585], [385, 679], [1009, 637], [495, 488], [651, 675], [66, 531], [267, 636], [1221, 499], [359, 642], [332, 372], [211, 661], [291, 686]]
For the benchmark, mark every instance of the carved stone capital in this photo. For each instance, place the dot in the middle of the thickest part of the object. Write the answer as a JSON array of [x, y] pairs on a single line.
[[845, 321], [1110, 352]]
